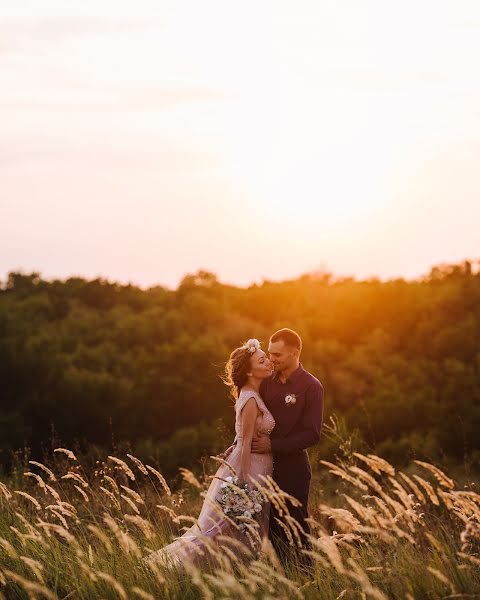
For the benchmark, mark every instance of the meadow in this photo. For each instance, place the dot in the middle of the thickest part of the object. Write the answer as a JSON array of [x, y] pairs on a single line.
[[80, 531]]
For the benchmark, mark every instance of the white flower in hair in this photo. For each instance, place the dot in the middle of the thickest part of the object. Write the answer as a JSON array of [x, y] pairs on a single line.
[[252, 345]]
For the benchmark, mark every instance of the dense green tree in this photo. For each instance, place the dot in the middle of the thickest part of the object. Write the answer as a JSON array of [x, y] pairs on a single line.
[[400, 360]]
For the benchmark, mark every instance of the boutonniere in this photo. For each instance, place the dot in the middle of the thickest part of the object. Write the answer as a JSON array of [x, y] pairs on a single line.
[[290, 399]]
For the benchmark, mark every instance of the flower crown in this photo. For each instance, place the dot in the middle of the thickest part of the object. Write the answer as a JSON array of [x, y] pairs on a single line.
[[252, 345]]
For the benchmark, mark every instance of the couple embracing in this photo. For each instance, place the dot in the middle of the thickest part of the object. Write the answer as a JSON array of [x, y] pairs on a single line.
[[278, 415]]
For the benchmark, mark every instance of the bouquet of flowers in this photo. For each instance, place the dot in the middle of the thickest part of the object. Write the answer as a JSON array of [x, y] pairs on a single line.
[[240, 500]]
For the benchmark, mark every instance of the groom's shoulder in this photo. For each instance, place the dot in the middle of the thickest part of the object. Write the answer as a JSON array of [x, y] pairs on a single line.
[[312, 381]]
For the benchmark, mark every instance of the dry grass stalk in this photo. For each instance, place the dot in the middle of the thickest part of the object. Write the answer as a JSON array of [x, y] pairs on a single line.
[[437, 545], [50, 473], [136, 496], [59, 516], [130, 502], [78, 478], [161, 479], [414, 487], [32, 588], [118, 587], [112, 483], [427, 487], [53, 492], [101, 536], [138, 463], [364, 512], [58, 529], [377, 464], [371, 481], [123, 466], [38, 479], [35, 566], [30, 498], [124, 540], [358, 574], [439, 475], [399, 490], [336, 470], [190, 478], [170, 512], [328, 546], [65, 508], [142, 593], [9, 549], [343, 518], [441, 577], [5, 491], [112, 497], [144, 526], [67, 452], [28, 526], [82, 493]]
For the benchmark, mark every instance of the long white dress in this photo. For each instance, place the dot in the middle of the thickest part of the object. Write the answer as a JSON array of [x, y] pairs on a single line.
[[211, 523]]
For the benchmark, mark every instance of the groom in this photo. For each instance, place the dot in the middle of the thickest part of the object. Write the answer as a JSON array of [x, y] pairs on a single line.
[[295, 399]]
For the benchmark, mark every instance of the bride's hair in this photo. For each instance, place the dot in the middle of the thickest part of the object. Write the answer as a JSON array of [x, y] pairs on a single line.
[[235, 374]]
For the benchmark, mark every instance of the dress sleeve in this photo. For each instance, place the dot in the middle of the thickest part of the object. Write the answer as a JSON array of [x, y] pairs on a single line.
[[242, 400], [245, 397]]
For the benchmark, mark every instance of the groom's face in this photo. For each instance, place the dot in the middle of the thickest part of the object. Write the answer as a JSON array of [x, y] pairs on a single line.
[[282, 356]]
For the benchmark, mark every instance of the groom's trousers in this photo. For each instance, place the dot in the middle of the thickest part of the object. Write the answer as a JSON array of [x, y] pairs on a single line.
[[292, 473]]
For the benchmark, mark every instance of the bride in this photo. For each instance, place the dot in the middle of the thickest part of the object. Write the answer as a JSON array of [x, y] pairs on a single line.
[[246, 368]]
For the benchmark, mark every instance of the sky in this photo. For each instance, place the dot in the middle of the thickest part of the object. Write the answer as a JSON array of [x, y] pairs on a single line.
[[141, 141]]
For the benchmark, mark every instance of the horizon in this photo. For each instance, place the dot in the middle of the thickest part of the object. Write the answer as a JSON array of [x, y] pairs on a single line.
[[333, 277], [143, 142]]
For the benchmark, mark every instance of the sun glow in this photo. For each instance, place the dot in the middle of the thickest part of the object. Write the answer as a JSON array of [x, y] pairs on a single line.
[[349, 126]]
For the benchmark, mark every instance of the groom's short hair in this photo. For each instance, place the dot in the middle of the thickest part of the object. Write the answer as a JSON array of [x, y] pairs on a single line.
[[289, 337]]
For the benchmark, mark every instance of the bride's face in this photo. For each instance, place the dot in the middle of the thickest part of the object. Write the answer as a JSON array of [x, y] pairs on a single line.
[[261, 367]]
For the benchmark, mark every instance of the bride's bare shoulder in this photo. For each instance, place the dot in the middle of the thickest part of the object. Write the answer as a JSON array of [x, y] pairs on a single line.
[[248, 393], [245, 395]]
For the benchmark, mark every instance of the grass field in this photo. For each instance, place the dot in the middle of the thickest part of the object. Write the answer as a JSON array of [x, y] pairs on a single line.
[[67, 531]]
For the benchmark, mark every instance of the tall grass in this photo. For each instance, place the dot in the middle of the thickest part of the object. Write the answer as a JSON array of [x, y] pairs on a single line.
[[381, 533]]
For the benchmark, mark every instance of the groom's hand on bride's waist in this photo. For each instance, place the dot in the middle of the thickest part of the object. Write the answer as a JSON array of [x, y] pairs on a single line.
[[261, 445]]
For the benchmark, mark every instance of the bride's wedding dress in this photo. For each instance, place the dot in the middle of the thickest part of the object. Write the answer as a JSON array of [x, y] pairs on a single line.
[[211, 523]]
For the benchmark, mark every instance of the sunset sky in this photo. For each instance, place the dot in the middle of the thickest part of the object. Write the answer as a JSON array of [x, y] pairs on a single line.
[[141, 141]]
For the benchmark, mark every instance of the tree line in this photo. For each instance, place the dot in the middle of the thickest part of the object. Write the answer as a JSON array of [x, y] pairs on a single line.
[[96, 363]]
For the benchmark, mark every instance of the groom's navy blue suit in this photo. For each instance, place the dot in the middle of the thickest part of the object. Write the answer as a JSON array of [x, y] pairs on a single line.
[[297, 427]]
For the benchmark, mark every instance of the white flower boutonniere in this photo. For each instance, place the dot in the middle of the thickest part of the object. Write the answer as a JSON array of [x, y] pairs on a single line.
[[290, 399]]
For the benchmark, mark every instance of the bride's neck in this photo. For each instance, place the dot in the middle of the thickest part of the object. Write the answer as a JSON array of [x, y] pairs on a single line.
[[252, 384]]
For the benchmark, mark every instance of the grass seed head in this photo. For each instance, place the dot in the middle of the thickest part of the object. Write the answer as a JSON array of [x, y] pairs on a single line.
[[67, 452]]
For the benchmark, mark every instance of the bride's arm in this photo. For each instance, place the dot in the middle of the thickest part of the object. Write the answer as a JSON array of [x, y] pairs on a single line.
[[248, 418]]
